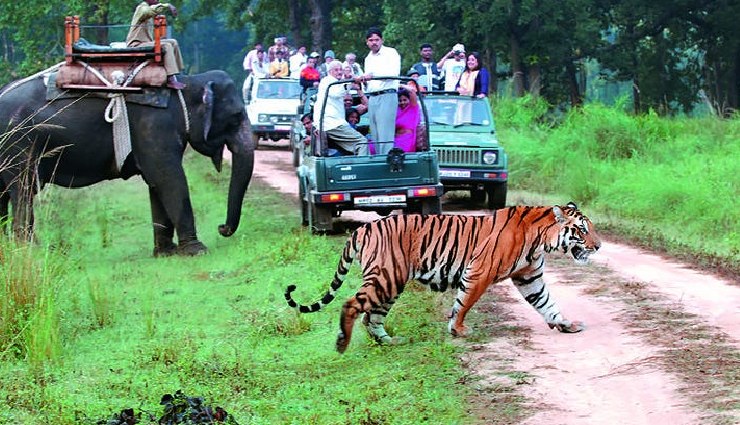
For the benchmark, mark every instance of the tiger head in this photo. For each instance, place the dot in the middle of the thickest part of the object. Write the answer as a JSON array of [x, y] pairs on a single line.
[[577, 234]]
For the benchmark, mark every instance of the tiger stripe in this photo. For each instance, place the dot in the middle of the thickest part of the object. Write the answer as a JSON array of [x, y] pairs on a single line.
[[466, 253]]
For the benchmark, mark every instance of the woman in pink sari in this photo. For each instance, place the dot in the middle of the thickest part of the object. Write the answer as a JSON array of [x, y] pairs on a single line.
[[408, 116]]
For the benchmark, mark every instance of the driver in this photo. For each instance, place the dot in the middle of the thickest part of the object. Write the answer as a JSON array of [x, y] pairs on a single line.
[[140, 34]]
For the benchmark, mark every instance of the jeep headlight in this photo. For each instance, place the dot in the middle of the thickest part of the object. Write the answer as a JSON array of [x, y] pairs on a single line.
[[489, 157], [274, 119], [262, 117]]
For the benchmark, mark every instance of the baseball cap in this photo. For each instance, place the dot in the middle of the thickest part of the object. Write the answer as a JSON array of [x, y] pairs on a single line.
[[329, 54], [314, 55], [458, 47]]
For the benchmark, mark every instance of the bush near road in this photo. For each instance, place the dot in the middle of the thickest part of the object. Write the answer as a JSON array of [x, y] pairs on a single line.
[[671, 184]]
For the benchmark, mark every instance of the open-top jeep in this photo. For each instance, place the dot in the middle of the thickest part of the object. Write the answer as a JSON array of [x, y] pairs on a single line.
[[382, 183], [271, 106], [462, 132]]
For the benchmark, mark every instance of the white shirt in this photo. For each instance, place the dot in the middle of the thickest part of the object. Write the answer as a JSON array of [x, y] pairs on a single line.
[[452, 69], [295, 63], [386, 63], [259, 68], [248, 58], [334, 99]]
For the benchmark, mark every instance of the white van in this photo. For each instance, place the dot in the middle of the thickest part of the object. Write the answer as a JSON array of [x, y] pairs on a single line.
[[272, 104]]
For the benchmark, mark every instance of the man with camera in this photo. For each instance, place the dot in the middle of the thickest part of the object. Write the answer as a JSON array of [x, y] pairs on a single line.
[[452, 66]]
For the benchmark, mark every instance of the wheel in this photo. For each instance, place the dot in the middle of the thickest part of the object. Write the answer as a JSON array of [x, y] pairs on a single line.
[[496, 195], [477, 196], [431, 206], [320, 218], [302, 184]]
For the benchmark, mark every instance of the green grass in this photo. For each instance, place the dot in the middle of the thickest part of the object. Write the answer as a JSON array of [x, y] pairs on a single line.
[[671, 184], [130, 328]]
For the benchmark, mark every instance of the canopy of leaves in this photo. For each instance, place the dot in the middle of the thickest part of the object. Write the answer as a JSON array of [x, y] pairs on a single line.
[[672, 51]]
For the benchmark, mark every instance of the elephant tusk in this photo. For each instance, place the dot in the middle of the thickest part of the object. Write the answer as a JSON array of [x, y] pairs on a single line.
[[218, 158]]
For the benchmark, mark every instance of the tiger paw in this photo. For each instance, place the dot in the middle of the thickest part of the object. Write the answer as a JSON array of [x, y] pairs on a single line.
[[461, 331], [568, 327], [342, 343]]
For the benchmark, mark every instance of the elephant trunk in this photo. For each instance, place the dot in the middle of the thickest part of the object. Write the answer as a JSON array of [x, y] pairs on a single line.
[[242, 165]]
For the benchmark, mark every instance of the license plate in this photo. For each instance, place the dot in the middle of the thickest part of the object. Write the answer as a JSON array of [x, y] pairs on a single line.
[[380, 199], [454, 173]]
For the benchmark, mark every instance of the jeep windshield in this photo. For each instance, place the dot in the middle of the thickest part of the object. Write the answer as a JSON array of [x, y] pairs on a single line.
[[457, 111], [279, 89]]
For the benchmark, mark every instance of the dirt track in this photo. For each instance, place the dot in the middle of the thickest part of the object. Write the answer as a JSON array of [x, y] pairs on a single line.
[[627, 367]]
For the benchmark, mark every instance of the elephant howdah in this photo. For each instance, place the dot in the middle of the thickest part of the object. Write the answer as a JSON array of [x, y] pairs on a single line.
[[67, 141]]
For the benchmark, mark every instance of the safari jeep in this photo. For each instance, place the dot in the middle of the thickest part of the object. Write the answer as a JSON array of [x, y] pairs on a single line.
[[271, 106], [382, 183], [462, 132]]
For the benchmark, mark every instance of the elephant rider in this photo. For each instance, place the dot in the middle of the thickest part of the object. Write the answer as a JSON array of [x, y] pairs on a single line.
[[140, 34]]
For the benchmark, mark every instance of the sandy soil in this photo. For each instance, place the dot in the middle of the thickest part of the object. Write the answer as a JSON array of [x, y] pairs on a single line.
[[602, 375]]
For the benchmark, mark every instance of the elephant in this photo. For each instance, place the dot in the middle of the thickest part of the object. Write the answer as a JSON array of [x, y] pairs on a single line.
[[66, 141]]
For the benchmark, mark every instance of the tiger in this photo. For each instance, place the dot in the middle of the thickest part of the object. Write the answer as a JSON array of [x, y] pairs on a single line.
[[467, 253]]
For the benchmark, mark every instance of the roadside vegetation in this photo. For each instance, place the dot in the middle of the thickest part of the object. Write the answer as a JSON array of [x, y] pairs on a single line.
[[667, 183], [93, 324]]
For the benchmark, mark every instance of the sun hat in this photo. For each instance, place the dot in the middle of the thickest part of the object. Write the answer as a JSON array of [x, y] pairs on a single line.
[[329, 54]]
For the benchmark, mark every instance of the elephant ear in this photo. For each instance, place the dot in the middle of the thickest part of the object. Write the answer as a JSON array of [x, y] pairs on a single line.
[[208, 113]]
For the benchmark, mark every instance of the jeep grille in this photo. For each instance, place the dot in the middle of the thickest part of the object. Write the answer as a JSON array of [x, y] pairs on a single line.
[[451, 156]]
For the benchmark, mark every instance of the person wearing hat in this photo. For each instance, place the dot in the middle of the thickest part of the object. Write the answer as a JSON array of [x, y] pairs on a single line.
[[328, 58], [427, 68], [413, 73], [452, 66], [309, 76]]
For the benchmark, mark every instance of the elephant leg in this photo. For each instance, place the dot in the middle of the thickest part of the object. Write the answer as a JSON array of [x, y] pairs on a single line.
[[164, 229], [172, 213]]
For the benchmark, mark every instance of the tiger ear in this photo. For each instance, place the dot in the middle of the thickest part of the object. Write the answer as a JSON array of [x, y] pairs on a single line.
[[559, 216], [573, 205]]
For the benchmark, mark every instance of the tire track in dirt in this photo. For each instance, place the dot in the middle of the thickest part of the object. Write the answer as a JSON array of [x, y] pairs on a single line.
[[606, 374]]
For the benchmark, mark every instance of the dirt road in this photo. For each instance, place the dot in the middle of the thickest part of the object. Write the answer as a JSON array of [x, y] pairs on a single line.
[[662, 344]]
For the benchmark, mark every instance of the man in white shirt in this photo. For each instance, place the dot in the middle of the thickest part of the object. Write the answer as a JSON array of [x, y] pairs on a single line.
[[250, 57], [382, 61], [260, 68], [296, 62], [452, 66], [333, 121]]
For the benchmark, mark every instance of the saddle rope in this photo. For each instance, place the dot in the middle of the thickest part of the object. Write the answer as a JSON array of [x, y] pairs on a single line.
[[15, 84]]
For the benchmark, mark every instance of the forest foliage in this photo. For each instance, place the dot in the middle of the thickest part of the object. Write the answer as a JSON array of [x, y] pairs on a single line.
[[674, 54]]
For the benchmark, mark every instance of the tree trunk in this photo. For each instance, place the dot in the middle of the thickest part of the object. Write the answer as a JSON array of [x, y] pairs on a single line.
[[321, 28], [637, 104], [517, 73], [535, 80], [493, 88], [733, 83], [294, 18], [576, 99]]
